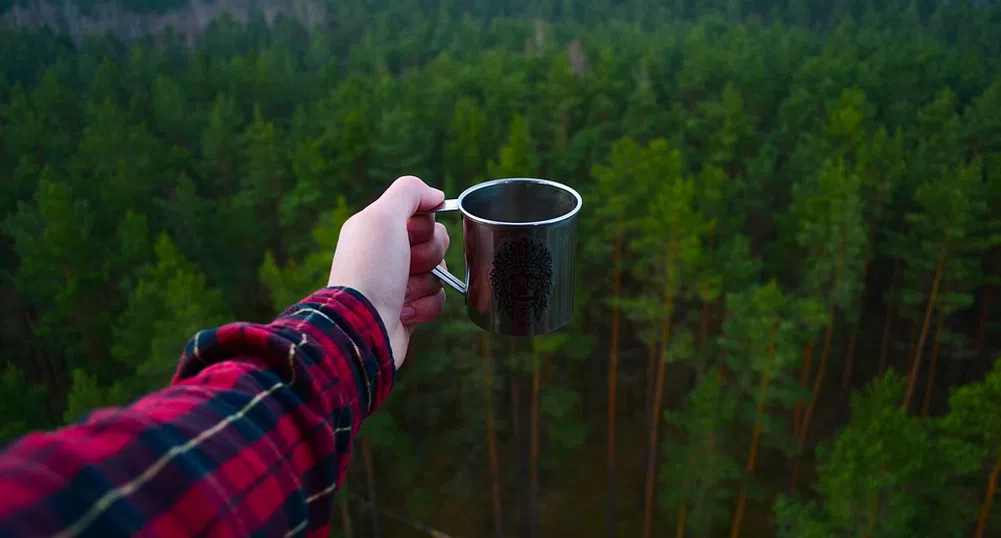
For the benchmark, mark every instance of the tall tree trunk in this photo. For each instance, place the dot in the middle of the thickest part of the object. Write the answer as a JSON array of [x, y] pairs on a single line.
[[912, 341], [52, 369], [984, 314], [885, 343], [517, 438], [56, 400], [722, 353], [651, 374], [930, 385], [752, 456], [533, 522], [495, 488], [846, 374], [682, 513], [804, 379], [683, 505], [818, 384], [346, 519], [874, 506], [992, 483], [822, 368], [703, 324], [651, 467], [871, 523], [366, 450], [932, 296], [613, 376], [704, 312]]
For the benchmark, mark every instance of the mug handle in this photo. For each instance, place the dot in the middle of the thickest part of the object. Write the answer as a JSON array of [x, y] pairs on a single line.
[[440, 271]]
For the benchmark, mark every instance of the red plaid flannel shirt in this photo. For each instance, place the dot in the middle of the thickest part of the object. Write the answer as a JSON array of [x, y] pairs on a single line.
[[251, 438]]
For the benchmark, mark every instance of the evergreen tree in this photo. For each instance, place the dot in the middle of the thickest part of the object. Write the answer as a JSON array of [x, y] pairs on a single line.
[[171, 302], [974, 421], [887, 474]]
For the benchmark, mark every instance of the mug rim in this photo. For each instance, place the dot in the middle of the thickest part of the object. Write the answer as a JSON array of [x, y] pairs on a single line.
[[538, 181]]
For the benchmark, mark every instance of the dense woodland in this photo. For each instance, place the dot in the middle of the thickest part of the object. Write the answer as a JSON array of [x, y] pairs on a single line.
[[790, 250]]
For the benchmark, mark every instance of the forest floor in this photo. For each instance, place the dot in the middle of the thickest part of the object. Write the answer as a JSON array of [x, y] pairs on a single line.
[[577, 509]]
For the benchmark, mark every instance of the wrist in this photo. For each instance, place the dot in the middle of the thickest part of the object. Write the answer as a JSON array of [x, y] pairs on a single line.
[[387, 315], [346, 312]]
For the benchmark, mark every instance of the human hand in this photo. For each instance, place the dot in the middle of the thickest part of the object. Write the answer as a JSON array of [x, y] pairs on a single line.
[[387, 251]]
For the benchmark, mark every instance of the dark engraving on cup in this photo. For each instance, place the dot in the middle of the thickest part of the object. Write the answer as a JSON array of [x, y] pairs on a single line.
[[522, 278]]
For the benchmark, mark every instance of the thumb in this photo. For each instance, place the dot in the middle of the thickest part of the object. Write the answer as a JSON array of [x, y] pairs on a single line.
[[408, 195]]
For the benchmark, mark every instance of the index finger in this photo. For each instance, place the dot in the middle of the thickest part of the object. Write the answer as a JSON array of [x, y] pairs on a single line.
[[408, 195]]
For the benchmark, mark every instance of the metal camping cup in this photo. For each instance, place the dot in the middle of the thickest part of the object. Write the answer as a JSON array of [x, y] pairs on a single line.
[[519, 241]]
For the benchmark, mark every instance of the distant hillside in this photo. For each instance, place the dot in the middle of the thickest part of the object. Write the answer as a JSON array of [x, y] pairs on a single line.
[[130, 19]]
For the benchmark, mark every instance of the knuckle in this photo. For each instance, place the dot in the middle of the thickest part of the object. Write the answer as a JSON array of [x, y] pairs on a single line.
[[409, 181], [377, 212], [352, 223]]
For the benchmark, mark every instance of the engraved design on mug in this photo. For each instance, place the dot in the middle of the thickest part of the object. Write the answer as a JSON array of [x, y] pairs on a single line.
[[522, 278]]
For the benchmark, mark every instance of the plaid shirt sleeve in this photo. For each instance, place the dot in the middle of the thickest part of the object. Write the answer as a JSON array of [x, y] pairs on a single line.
[[251, 438]]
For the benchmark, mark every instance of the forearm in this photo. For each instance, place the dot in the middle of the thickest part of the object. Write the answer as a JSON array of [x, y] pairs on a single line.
[[252, 436]]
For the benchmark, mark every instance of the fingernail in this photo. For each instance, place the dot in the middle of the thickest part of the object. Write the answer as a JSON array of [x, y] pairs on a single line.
[[408, 313]]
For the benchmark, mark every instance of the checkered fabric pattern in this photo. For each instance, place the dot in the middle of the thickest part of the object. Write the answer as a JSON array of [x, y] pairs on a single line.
[[252, 437]]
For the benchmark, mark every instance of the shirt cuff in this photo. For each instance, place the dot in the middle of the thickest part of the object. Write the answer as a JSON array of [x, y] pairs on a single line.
[[345, 310]]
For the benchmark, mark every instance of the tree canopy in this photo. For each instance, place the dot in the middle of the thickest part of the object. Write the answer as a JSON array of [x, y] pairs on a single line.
[[788, 259]]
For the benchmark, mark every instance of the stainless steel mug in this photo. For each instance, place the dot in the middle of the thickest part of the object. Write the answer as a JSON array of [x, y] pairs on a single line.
[[519, 238]]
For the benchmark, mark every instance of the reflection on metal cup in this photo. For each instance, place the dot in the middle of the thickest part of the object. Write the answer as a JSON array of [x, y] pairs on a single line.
[[519, 238]]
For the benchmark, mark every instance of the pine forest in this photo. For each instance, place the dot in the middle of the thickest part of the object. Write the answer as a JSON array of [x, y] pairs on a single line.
[[788, 314]]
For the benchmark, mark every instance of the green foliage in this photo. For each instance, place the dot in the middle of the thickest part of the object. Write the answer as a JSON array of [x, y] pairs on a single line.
[[762, 342], [400, 142], [60, 266], [171, 301], [722, 130], [220, 144], [87, 395], [300, 204], [672, 209], [887, 474], [755, 164], [974, 417], [880, 162], [518, 156], [617, 209], [668, 245], [558, 405], [22, 404], [705, 423], [828, 212], [466, 148], [296, 280], [946, 238]]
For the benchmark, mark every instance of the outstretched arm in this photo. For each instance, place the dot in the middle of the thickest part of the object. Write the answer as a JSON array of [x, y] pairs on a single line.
[[254, 433], [252, 438]]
